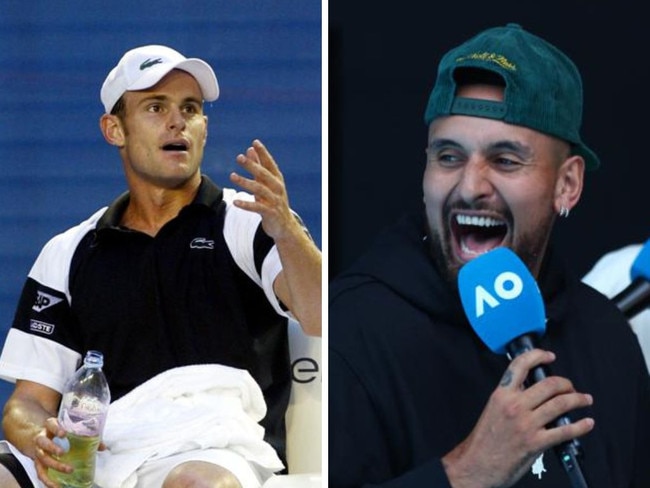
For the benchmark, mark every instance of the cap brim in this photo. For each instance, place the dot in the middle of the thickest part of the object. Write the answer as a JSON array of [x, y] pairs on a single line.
[[198, 68], [591, 160]]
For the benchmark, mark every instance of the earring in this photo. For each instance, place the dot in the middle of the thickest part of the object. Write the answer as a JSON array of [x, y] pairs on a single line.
[[564, 212]]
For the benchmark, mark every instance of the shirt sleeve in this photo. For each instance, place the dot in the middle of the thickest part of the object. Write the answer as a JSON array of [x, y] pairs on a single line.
[[252, 249], [40, 345]]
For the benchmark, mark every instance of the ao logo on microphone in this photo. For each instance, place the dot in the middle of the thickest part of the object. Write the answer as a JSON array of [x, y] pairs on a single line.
[[501, 298], [507, 286]]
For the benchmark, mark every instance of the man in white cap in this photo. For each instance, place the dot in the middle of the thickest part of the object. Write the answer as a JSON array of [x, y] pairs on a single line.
[[175, 272]]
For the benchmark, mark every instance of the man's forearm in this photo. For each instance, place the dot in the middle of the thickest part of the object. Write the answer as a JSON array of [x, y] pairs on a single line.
[[22, 421], [301, 283]]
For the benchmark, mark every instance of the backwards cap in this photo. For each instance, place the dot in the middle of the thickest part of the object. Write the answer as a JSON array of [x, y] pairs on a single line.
[[144, 66], [543, 88]]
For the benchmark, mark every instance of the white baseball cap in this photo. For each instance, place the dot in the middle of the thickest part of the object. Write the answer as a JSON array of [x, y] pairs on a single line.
[[144, 66]]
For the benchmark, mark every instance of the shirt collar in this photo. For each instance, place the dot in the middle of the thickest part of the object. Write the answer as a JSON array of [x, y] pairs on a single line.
[[208, 195]]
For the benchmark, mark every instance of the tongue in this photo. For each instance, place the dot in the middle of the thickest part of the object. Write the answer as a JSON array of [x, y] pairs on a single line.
[[478, 243]]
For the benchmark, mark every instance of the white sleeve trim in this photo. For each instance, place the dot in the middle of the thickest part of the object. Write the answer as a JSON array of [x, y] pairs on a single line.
[[52, 265], [38, 359], [27, 357], [239, 231], [270, 271]]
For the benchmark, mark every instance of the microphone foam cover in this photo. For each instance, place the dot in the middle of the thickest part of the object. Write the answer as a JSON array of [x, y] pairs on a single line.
[[641, 264], [501, 298]]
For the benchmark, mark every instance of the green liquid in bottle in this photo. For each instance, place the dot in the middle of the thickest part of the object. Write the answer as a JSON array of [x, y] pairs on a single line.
[[81, 457]]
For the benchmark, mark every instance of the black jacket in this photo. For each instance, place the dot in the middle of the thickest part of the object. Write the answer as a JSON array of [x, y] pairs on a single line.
[[408, 377]]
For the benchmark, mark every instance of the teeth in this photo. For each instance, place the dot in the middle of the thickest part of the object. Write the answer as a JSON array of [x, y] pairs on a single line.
[[478, 221], [467, 250]]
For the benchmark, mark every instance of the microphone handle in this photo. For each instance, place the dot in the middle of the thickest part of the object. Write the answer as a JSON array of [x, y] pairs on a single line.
[[633, 299], [568, 452]]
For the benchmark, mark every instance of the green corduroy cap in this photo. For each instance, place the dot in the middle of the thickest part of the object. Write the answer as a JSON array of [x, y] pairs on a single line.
[[543, 88]]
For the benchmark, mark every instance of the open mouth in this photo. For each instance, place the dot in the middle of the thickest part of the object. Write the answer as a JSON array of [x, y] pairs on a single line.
[[477, 234], [175, 146]]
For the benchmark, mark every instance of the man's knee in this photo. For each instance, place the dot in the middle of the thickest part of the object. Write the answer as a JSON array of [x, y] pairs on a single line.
[[6, 478], [200, 474]]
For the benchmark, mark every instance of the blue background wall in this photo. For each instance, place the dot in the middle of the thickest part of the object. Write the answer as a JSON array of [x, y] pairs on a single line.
[[56, 169]]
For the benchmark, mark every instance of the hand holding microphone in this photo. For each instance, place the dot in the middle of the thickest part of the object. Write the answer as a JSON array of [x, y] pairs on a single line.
[[504, 306]]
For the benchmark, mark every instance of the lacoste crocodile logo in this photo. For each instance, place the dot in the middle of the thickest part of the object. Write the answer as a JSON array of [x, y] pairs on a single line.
[[149, 63], [202, 243]]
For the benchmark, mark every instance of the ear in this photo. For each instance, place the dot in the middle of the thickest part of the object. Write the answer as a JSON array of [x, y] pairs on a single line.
[[112, 129], [568, 187], [205, 136]]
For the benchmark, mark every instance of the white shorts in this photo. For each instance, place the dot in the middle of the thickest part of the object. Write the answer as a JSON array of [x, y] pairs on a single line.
[[153, 473]]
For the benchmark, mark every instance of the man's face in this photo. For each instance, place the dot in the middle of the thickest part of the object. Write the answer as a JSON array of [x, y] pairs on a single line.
[[489, 184], [164, 132]]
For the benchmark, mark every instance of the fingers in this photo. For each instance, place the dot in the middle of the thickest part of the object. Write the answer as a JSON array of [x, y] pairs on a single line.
[[44, 461], [54, 428], [261, 165], [517, 372], [46, 448], [561, 390], [268, 189], [264, 157], [262, 190], [551, 398], [267, 183], [573, 430], [557, 398]]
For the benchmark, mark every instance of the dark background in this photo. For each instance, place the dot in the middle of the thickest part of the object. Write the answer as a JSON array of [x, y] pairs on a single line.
[[383, 61]]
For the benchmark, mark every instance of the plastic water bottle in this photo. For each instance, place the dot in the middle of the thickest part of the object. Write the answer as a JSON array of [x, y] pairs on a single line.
[[82, 414]]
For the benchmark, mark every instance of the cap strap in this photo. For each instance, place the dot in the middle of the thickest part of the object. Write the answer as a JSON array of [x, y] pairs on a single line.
[[478, 108]]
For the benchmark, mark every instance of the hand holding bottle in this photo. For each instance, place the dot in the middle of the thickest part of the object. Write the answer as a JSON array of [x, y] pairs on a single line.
[[81, 419], [48, 449]]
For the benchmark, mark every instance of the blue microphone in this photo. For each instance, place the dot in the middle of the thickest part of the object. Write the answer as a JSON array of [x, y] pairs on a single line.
[[636, 296], [505, 308], [501, 299]]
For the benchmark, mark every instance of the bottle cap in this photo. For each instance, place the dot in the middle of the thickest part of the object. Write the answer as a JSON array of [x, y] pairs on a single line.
[[94, 359]]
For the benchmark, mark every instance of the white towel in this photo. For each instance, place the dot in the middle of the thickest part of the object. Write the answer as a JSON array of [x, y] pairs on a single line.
[[191, 407]]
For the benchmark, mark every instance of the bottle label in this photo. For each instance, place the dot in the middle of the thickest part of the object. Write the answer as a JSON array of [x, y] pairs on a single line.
[[82, 416]]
